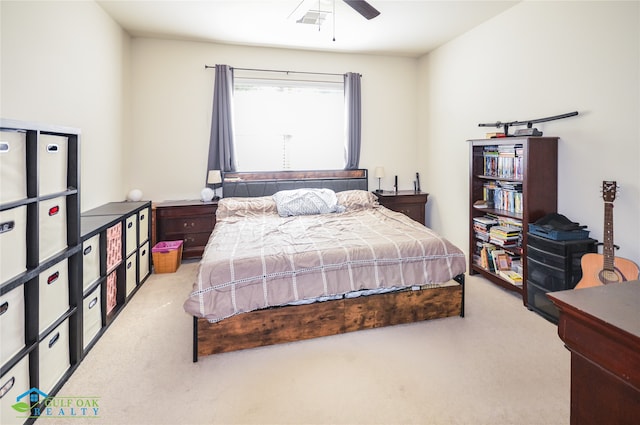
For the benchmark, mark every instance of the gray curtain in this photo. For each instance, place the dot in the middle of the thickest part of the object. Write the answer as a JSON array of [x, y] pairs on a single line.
[[221, 149], [354, 120]]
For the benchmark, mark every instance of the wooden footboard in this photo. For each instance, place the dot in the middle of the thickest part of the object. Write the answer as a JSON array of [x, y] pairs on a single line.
[[294, 323]]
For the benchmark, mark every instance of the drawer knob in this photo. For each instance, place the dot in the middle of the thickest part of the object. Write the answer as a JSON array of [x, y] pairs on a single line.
[[55, 339], [7, 226], [53, 278], [87, 250], [7, 386], [93, 302]]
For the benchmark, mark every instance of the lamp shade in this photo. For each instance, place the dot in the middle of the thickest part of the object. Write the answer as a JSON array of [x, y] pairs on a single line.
[[378, 172], [214, 177]]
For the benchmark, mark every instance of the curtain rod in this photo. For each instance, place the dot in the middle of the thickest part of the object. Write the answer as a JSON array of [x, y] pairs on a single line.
[[277, 70]]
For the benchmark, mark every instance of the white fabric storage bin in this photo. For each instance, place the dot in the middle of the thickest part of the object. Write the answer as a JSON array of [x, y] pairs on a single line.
[[131, 241], [143, 261], [54, 360], [11, 323], [52, 157], [13, 166], [91, 316], [90, 261], [53, 289], [52, 216], [13, 384], [131, 273], [13, 242], [143, 226]]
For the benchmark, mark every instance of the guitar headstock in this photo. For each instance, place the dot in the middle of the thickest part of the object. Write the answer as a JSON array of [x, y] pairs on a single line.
[[609, 190]]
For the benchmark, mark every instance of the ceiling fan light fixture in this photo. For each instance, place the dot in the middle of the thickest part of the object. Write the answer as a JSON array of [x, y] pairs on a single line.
[[313, 17]]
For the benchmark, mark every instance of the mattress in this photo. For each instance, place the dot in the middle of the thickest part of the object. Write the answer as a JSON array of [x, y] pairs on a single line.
[[257, 259]]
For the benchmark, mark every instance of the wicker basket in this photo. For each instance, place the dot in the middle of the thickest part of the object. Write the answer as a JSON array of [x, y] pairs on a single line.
[[167, 256]]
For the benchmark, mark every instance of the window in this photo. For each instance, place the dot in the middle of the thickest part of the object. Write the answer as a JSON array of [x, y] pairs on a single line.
[[285, 124]]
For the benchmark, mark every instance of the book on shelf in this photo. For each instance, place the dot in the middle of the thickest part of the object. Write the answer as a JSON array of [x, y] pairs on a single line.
[[482, 203], [495, 254], [511, 276], [502, 260]]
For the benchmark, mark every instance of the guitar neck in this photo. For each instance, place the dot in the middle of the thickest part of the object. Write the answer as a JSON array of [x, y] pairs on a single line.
[[608, 246]]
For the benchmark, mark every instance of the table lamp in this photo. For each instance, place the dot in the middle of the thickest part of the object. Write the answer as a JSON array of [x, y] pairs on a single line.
[[379, 174]]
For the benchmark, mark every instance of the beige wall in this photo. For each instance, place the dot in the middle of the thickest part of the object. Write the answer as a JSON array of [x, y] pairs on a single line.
[[172, 101], [66, 63], [534, 60]]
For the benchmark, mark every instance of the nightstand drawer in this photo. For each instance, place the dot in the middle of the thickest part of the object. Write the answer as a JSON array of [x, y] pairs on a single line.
[[188, 224], [412, 211]]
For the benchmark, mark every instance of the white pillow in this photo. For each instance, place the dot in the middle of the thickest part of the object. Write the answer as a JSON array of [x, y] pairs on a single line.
[[306, 201]]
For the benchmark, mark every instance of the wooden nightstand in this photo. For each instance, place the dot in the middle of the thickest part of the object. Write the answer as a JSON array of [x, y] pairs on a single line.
[[410, 203], [191, 221]]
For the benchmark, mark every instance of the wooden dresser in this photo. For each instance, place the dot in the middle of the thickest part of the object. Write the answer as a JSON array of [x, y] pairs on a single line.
[[408, 202], [600, 326], [191, 221]]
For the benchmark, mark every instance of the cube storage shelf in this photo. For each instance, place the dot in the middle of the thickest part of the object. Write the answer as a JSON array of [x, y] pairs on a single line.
[[116, 256], [39, 260], [64, 275]]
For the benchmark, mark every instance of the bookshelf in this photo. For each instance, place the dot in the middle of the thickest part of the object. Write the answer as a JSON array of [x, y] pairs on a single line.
[[512, 182]]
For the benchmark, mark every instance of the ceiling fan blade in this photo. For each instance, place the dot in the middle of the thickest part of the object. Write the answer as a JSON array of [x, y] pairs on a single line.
[[363, 8]]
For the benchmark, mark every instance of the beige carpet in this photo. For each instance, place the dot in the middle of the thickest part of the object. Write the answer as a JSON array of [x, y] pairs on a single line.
[[501, 364]]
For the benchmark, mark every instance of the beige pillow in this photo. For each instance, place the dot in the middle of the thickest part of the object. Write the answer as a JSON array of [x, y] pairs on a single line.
[[357, 199]]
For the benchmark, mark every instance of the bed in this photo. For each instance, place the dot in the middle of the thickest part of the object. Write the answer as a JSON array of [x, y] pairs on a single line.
[[302, 255]]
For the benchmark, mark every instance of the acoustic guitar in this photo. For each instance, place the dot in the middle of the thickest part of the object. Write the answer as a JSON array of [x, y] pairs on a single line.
[[601, 269]]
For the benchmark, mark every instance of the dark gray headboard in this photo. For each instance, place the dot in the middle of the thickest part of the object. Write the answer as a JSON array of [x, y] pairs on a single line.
[[253, 184]]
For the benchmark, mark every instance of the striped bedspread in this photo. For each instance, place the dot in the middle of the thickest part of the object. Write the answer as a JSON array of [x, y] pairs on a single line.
[[257, 259]]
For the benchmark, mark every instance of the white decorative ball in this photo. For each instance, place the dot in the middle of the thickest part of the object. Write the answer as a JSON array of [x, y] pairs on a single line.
[[207, 194], [134, 195]]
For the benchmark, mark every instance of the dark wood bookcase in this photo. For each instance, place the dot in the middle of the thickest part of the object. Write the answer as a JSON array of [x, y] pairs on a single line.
[[537, 176]]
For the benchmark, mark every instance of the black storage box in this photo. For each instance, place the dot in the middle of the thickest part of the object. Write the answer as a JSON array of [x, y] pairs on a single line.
[[553, 266]]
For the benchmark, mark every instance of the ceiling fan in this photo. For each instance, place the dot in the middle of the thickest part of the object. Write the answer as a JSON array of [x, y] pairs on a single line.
[[363, 8], [315, 11]]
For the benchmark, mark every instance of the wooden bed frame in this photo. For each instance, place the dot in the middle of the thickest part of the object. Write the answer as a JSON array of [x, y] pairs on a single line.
[[299, 322]]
